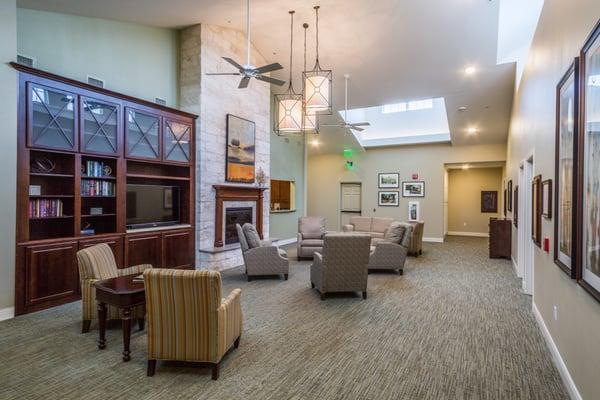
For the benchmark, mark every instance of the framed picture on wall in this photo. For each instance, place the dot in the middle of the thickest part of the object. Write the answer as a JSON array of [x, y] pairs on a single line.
[[504, 202], [588, 259], [389, 199], [536, 210], [509, 189], [489, 201], [389, 181], [240, 158], [516, 209], [413, 211], [565, 168], [547, 198], [413, 189]]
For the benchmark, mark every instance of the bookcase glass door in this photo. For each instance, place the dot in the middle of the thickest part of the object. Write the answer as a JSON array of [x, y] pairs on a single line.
[[176, 141], [52, 118], [100, 127], [142, 135]]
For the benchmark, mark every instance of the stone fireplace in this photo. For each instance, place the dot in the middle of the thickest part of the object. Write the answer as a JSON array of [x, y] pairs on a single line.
[[234, 216]]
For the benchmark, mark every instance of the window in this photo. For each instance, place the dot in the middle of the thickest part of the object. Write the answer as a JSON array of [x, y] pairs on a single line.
[[393, 108], [420, 104], [412, 105], [283, 195]]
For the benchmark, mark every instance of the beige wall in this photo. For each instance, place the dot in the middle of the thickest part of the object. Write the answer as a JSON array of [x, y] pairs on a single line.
[[325, 172], [563, 27], [464, 198], [8, 153]]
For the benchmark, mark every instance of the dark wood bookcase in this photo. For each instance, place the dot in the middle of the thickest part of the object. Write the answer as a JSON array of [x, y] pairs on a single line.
[[78, 148]]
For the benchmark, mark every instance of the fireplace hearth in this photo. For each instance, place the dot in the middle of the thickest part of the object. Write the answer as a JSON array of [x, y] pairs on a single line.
[[233, 216]]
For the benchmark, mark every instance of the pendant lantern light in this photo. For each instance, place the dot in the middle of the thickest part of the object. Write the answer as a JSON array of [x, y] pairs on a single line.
[[289, 103], [317, 83], [310, 123]]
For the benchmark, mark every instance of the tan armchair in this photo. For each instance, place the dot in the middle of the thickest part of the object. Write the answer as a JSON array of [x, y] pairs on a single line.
[[98, 263], [415, 247], [343, 265], [391, 252], [188, 320], [311, 231]]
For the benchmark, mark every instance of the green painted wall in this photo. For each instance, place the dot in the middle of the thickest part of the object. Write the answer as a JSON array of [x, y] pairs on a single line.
[[133, 59]]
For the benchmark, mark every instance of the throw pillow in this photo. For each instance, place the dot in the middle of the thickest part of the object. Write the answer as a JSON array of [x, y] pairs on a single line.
[[251, 235], [394, 233]]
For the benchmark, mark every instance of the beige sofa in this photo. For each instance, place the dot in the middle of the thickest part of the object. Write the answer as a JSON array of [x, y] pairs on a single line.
[[372, 226]]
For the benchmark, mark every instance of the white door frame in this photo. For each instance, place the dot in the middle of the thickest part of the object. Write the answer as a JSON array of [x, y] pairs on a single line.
[[525, 242]]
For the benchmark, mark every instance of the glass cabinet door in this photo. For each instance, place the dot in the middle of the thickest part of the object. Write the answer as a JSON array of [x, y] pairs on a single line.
[[100, 126], [142, 135], [176, 141], [52, 118]]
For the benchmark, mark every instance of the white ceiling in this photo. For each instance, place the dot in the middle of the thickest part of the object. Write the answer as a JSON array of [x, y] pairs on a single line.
[[394, 50]]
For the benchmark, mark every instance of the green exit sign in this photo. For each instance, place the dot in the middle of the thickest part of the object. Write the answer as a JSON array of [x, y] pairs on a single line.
[[348, 153]]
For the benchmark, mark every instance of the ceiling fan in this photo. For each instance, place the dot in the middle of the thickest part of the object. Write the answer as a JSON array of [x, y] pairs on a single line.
[[249, 71], [345, 124]]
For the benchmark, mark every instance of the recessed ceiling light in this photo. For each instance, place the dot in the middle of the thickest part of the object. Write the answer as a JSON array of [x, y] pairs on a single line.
[[463, 108], [472, 131], [465, 167], [470, 70]]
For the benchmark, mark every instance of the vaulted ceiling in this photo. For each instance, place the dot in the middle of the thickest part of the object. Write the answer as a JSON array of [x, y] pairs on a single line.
[[394, 50]]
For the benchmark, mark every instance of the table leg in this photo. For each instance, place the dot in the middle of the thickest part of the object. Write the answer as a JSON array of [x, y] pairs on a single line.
[[126, 333], [102, 325]]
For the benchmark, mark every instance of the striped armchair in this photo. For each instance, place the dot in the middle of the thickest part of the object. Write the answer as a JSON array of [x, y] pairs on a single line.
[[98, 263], [188, 320]]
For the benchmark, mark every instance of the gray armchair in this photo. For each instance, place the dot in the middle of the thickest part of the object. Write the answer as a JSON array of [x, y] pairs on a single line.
[[260, 256], [343, 265], [415, 247], [391, 252], [311, 231]]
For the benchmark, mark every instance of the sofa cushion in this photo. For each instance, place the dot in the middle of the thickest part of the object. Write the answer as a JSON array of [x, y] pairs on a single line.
[[242, 237], [312, 243], [251, 234], [361, 224], [395, 232], [380, 224]]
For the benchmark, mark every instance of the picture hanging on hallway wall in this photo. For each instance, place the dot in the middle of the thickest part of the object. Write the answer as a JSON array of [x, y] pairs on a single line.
[[547, 198], [536, 210], [489, 201], [389, 181], [240, 158], [516, 204], [567, 128], [589, 165], [413, 211], [509, 206], [389, 199], [413, 189]]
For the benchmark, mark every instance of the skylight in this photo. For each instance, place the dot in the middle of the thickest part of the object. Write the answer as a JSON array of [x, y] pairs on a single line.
[[413, 105]]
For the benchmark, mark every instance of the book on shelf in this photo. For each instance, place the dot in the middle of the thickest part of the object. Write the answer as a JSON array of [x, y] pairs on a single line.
[[97, 188], [95, 169], [45, 208]]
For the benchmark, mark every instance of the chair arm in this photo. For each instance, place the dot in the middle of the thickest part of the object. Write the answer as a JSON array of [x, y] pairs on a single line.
[[265, 261], [348, 228], [136, 269], [88, 298], [391, 248], [318, 258], [230, 321], [266, 243], [316, 271]]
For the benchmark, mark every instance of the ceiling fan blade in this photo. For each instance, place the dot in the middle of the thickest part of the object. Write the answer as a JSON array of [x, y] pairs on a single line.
[[356, 128], [268, 68], [270, 80], [334, 125], [244, 82], [223, 73], [235, 64], [360, 124]]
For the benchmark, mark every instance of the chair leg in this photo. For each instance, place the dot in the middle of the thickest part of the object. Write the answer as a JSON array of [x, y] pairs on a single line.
[[400, 272], [364, 295], [236, 344], [312, 285], [85, 325], [322, 296], [141, 323], [215, 371], [285, 276], [151, 367]]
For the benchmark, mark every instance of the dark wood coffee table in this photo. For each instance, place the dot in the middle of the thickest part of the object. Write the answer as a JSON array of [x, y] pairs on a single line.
[[124, 293]]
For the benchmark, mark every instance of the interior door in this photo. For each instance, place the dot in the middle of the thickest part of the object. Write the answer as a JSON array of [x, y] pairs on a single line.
[[350, 204]]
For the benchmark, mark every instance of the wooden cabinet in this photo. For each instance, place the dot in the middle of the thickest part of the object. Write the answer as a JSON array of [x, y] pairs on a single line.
[[143, 249], [51, 275], [178, 249], [500, 238], [176, 141], [100, 126], [142, 134], [115, 243]]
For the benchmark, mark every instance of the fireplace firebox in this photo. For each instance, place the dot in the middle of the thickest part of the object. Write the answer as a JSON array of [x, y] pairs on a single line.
[[235, 215]]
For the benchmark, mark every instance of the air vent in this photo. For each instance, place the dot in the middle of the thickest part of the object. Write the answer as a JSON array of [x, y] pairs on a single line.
[[24, 60], [95, 81], [160, 101]]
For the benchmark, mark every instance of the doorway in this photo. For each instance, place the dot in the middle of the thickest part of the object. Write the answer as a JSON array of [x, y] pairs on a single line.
[[525, 244], [350, 201]]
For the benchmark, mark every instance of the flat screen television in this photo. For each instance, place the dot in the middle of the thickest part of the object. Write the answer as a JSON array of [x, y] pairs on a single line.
[[152, 206]]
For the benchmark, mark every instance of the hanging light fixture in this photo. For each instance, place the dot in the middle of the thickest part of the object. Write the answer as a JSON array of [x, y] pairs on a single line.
[[317, 83], [289, 103], [310, 123]]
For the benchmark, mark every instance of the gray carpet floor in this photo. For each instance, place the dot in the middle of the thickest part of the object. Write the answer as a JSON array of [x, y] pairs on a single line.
[[455, 326]]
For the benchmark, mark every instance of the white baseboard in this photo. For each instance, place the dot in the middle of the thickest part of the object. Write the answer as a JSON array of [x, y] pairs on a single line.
[[7, 313], [474, 234], [283, 242], [515, 265], [433, 239], [560, 364]]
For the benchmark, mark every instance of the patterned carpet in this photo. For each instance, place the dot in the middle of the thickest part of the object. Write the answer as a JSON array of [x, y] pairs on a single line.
[[455, 326]]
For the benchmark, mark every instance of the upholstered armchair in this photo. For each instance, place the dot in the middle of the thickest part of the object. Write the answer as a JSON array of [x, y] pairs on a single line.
[[311, 231], [98, 263], [260, 256], [391, 252], [343, 265], [415, 247], [188, 320]]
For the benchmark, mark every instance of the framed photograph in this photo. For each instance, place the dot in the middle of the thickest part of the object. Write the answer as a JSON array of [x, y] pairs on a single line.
[[588, 188], [413, 211], [504, 202], [509, 189], [389, 199], [536, 210], [35, 190], [516, 209], [413, 189], [565, 167], [489, 201], [389, 181], [547, 198], [240, 157]]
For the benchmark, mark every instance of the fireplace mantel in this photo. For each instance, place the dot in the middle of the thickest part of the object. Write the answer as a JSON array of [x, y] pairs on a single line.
[[237, 193]]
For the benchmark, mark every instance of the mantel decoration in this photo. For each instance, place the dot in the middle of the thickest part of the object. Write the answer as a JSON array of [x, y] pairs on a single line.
[[310, 122], [289, 103], [261, 177], [317, 82]]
